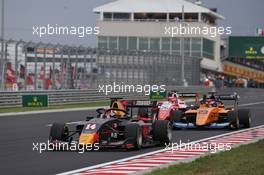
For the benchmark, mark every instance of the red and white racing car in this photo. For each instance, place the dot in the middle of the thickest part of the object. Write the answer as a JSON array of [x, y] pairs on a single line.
[[175, 102]]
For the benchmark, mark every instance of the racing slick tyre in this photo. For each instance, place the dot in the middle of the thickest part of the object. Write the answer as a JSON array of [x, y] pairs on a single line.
[[162, 132], [59, 131], [244, 116], [176, 117], [233, 120], [134, 132]]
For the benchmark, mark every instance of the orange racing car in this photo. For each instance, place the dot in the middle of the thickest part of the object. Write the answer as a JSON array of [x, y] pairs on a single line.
[[212, 113]]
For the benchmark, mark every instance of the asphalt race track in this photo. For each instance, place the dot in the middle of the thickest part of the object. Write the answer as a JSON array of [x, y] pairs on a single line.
[[19, 132]]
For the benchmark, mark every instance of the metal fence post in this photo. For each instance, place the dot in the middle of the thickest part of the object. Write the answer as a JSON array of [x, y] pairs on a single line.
[[57, 46], [16, 57], [25, 47], [45, 65], [77, 76], [36, 65]]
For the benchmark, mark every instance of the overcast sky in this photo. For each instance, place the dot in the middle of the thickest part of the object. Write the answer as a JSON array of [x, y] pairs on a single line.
[[243, 15]]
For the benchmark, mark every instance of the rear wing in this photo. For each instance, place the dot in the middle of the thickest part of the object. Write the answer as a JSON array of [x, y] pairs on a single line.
[[183, 94], [233, 96], [188, 94], [227, 97], [191, 95], [134, 103], [141, 104]]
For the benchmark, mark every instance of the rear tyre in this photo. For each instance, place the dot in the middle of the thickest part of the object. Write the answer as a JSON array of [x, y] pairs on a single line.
[[134, 133], [154, 116], [59, 131], [244, 116], [162, 132], [233, 120], [176, 117]]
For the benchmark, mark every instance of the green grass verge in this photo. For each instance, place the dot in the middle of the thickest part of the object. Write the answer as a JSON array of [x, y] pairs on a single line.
[[244, 160], [81, 105]]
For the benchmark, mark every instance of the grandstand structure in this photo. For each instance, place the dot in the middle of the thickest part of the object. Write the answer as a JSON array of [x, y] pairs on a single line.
[[141, 24]]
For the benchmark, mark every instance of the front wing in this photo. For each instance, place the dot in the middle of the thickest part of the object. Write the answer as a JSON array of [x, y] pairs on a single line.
[[182, 125]]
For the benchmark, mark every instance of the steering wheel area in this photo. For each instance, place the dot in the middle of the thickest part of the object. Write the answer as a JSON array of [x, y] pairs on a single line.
[[100, 111], [115, 112]]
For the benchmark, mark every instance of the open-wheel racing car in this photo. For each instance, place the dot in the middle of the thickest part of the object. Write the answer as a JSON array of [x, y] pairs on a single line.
[[175, 102], [212, 113], [116, 127]]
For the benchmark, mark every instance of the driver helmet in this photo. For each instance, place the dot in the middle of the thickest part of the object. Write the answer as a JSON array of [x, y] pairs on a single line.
[[119, 114], [172, 99], [212, 102], [221, 105]]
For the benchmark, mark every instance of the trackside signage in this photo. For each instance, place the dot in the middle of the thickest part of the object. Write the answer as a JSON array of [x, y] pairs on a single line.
[[35, 100], [246, 47], [159, 95]]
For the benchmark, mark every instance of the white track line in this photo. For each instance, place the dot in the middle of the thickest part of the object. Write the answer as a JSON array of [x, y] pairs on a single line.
[[250, 104]]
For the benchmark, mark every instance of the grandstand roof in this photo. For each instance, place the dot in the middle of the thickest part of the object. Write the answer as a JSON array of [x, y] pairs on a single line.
[[154, 6]]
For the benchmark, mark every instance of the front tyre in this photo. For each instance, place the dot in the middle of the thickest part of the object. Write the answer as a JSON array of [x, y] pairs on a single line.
[[134, 133], [244, 116], [59, 131], [176, 117], [162, 132], [233, 120]]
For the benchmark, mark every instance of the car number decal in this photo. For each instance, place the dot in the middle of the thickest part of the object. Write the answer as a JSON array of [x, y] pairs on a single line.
[[90, 126]]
